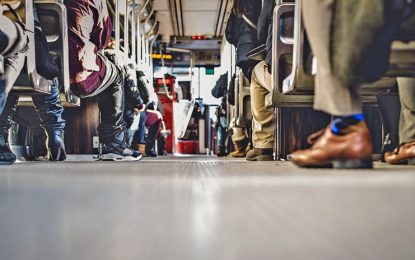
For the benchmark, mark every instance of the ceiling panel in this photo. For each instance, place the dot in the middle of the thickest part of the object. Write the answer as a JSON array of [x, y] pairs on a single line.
[[199, 16], [199, 23]]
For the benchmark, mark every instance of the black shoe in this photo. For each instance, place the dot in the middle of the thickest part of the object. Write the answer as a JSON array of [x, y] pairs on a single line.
[[56, 146], [151, 153], [260, 154], [7, 157], [120, 152], [222, 152]]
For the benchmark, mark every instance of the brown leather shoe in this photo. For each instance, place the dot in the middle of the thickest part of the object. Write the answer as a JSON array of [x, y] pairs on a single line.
[[350, 151], [404, 154]]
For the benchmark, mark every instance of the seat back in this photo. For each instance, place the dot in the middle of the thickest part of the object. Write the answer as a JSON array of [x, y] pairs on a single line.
[[285, 19], [53, 19]]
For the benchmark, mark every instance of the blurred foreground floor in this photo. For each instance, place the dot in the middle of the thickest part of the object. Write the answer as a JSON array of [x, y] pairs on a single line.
[[203, 208]]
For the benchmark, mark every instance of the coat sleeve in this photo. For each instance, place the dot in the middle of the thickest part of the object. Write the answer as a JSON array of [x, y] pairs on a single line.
[[265, 20]]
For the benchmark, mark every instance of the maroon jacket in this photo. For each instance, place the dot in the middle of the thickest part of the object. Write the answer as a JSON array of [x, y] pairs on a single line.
[[89, 27]]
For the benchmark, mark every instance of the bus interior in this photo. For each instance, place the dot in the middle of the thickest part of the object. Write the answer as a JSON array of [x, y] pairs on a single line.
[[194, 190]]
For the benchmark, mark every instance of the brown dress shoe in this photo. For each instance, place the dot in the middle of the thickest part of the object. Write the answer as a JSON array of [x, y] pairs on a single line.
[[404, 154], [350, 151]]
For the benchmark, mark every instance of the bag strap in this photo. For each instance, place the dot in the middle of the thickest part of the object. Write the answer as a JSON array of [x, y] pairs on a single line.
[[248, 21]]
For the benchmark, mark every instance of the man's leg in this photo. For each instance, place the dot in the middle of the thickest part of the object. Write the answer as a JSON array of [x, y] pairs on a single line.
[[263, 123], [139, 139], [331, 96], [6, 155], [222, 134], [50, 111], [347, 142], [240, 141], [112, 128], [406, 152], [12, 47], [407, 117], [13, 66], [153, 132]]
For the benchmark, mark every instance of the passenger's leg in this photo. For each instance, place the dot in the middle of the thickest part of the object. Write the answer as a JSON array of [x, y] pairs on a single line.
[[406, 152], [6, 155], [347, 142], [331, 96], [112, 127], [153, 132], [139, 140], [12, 47], [263, 123], [13, 66], [50, 111], [240, 141], [222, 134]]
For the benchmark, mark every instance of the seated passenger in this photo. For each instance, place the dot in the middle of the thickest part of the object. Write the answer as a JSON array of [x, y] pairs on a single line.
[[241, 31], [48, 107], [263, 122], [347, 142], [92, 74]]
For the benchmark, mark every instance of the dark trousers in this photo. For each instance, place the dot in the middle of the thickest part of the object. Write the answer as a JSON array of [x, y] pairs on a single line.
[[48, 108], [111, 105]]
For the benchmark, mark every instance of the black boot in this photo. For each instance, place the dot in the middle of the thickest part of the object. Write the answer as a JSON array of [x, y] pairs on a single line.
[[151, 140], [7, 157], [221, 151], [56, 145]]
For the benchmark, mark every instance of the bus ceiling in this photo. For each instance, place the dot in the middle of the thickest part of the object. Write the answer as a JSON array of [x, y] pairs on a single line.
[[192, 24]]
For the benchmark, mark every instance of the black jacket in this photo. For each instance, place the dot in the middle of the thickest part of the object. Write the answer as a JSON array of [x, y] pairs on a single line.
[[221, 86], [242, 35], [265, 29]]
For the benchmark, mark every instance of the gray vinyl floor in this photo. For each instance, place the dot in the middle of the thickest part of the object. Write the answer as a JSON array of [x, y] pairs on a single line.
[[204, 208]]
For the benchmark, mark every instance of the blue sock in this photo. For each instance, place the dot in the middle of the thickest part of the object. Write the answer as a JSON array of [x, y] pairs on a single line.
[[342, 123]]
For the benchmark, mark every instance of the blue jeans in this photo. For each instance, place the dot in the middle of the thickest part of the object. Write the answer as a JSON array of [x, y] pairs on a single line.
[[222, 132], [140, 134], [48, 108]]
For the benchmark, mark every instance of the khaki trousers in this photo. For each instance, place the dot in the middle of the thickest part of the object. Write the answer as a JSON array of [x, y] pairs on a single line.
[[263, 123], [407, 117], [331, 96]]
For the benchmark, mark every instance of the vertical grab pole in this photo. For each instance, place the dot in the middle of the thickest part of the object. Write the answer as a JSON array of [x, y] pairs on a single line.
[[117, 31], [126, 32]]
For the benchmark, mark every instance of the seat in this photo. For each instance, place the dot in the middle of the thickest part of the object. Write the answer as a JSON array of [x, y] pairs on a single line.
[[28, 82]]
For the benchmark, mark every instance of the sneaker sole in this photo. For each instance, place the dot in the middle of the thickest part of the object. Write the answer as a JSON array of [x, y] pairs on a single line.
[[261, 158], [6, 163], [112, 157]]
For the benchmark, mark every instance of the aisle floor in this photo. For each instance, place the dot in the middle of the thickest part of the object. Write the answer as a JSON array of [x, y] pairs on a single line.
[[204, 208]]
